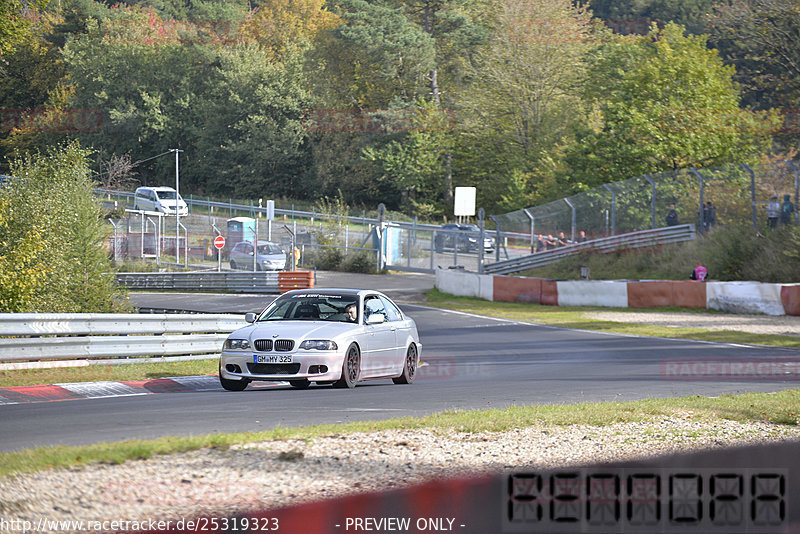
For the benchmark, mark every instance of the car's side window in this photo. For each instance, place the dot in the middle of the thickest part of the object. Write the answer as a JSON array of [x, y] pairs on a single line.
[[373, 305], [392, 313]]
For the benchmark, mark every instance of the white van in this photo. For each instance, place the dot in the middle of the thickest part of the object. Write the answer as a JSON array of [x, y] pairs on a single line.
[[160, 199]]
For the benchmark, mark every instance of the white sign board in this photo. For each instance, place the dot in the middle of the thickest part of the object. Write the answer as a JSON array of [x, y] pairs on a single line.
[[464, 202], [270, 210]]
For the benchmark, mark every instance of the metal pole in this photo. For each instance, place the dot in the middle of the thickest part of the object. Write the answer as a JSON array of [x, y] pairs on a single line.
[[752, 194], [497, 234], [652, 200], [613, 209], [255, 247], [177, 217], [702, 202], [533, 227], [481, 239], [379, 234], [796, 191], [573, 218]]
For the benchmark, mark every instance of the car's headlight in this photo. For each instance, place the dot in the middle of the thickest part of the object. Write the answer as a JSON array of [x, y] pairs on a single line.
[[237, 344], [318, 344]]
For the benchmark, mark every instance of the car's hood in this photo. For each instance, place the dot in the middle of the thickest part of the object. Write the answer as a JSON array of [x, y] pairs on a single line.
[[302, 329], [272, 257]]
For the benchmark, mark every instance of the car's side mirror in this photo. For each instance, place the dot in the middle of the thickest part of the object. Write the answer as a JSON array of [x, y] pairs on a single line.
[[250, 317], [376, 318]]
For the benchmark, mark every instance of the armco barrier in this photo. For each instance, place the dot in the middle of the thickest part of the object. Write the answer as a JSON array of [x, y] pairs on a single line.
[[790, 298], [50, 336], [288, 280], [236, 281], [613, 294], [465, 284], [745, 297], [658, 294]]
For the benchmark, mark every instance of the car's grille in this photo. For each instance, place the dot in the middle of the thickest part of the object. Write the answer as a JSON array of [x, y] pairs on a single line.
[[273, 368], [284, 345], [263, 345]]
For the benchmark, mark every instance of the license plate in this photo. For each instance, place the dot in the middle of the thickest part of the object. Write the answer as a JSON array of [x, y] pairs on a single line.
[[272, 358]]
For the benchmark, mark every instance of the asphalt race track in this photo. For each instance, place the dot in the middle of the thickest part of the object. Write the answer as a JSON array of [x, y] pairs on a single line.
[[471, 362]]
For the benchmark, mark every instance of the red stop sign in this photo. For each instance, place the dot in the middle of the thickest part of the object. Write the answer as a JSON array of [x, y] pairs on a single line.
[[219, 241]]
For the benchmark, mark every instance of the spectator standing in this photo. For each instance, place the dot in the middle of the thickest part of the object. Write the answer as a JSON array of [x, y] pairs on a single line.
[[699, 273], [773, 211], [787, 210], [562, 240], [672, 216], [710, 214], [582, 237]]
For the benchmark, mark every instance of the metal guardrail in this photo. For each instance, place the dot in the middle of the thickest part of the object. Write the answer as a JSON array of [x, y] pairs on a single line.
[[644, 238], [235, 282], [350, 219], [52, 336]]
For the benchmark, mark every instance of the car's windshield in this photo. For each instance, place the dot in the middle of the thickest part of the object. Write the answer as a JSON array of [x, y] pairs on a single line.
[[313, 307], [269, 249], [166, 195], [470, 228]]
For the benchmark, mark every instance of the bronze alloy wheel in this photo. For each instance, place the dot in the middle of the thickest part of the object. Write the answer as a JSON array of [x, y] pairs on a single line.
[[351, 368], [409, 367]]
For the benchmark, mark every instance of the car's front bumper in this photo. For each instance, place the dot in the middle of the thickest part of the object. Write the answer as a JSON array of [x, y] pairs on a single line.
[[307, 360]]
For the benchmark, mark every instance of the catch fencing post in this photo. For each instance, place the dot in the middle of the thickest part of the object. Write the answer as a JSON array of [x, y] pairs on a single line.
[[652, 200], [752, 194], [796, 191], [613, 209], [482, 241], [701, 213], [573, 218]]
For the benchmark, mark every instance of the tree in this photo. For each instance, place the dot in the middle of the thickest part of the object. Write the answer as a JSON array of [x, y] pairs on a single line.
[[52, 257], [524, 98], [664, 101], [759, 38]]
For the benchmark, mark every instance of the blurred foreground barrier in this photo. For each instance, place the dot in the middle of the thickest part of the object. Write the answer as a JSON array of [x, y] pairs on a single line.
[[752, 489], [34, 339]]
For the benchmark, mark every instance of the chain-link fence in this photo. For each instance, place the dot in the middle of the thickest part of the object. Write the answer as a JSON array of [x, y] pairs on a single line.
[[732, 194]]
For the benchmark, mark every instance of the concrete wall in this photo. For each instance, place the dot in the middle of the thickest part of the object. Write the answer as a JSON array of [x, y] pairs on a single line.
[[734, 297]]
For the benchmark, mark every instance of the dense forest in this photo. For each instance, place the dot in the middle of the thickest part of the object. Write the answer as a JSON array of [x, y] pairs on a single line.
[[399, 101]]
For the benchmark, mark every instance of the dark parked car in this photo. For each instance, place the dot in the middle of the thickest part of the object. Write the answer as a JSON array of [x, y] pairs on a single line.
[[464, 237]]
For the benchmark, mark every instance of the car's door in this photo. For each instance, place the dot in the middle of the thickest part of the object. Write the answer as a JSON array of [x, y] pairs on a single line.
[[401, 334], [380, 354]]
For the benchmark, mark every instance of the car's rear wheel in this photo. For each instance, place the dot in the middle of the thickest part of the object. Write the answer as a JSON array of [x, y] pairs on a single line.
[[409, 367], [233, 264], [303, 383], [351, 368]]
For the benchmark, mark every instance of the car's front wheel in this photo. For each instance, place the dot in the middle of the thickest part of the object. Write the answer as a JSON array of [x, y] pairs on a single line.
[[233, 385], [351, 368], [302, 383], [409, 367]]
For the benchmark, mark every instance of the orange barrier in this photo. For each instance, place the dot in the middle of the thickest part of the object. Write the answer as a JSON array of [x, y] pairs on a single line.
[[516, 289], [288, 280], [790, 297], [549, 293], [666, 293]]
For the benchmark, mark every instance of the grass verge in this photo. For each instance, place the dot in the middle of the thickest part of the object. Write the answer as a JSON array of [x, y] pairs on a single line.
[[98, 373], [573, 317], [780, 408]]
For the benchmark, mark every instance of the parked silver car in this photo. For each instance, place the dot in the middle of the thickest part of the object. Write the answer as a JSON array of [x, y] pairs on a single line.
[[270, 257], [327, 336]]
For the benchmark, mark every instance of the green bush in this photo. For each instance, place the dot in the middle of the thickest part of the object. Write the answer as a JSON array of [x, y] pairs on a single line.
[[359, 262], [52, 254]]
